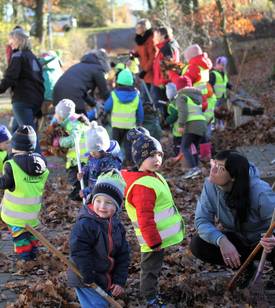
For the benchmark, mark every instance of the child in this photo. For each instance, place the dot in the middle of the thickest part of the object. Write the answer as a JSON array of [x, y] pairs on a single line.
[[172, 119], [151, 208], [126, 110], [25, 175], [98, 246], [5, 137], [75, 125], [103, 156]]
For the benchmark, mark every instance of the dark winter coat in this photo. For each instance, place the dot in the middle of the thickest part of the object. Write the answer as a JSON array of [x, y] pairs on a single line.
[[99, 250], [81, 78], [24, 77]]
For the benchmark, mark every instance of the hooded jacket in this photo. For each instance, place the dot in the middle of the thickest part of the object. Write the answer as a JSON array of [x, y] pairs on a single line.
[[99, 249], [192, 127], [33, 164], [145, 50], [87, 75], [211, 205], [125, 96], [192, 75]]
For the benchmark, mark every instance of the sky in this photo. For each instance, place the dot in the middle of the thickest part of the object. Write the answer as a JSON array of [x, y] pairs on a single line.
[[134, 4]]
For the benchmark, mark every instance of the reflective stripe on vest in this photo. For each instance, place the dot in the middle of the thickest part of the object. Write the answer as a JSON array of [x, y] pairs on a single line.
[[202, 83], [209, 112], [3, 155], [194, 111], [169, 222], [220, 84], [124, 115], [175, 126], [22, 206], [71, 154]]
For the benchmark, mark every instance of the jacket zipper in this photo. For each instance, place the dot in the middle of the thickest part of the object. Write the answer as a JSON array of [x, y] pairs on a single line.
[[110, 248]]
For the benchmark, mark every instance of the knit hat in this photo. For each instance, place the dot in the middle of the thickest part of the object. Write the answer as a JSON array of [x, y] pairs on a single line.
[[65, 108], [143, 145], [222, 60], [171, 90], [110, 184], [192, 51], [24, 139], [125, 78], [5, 135], [97, 138]]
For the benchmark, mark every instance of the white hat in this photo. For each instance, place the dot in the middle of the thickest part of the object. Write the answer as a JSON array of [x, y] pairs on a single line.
[[97, 138], [171, 90], [192, 51], [65, 108]]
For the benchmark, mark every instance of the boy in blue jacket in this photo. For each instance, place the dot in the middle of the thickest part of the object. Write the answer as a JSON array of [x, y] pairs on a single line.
[[98, 245], [126, 109]]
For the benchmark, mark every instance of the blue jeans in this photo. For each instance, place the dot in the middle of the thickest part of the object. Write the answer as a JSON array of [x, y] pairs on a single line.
[[24, 115], [89, 298], [187, 140]]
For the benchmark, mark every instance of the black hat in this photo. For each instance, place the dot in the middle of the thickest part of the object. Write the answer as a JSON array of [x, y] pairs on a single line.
[[24, 139]]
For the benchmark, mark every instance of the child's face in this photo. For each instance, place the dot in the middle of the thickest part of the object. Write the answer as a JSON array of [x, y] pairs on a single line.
[[58, 118], [104, 206], [4, 146], [96, 154], [219, 67], [152, 163]]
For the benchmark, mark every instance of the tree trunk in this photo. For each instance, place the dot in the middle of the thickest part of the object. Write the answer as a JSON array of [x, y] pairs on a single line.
[[39, 20], [226, 43], [149, 3]]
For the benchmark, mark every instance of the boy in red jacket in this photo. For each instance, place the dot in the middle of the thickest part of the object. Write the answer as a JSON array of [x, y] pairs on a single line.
[[151, 208]]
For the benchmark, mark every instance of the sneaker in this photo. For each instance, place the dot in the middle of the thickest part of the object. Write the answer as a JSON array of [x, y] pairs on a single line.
[[246, 277], [156, 302], [192, 172]]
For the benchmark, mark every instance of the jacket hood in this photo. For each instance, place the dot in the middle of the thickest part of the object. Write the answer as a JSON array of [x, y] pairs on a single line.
[[97, 57], [127, 94], [254, 173], [202, 60], [193, 93], [131, 176], [141, 39], [31, 163]]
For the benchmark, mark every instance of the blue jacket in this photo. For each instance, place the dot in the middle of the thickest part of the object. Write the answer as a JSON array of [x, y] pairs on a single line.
[[95, 166], [211, 205], [99, 249], [126, 95]]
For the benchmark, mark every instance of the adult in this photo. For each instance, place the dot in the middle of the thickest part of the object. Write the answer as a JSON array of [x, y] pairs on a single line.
[[145, 51], [24, 77], [79, 82], [242, 203], [167, 48]]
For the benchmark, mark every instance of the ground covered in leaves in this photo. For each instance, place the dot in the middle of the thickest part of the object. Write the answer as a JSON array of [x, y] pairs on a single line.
[[184, 281]]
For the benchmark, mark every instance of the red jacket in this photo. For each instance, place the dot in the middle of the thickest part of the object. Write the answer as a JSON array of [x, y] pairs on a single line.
[[145, 50], [192, 75], [165, 49], [143, 199]]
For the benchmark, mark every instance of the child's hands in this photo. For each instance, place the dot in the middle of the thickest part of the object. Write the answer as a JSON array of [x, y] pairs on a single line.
[[117, 290], [79, 176], [181, 130], [81, 194], [268, 243], [56, 142]]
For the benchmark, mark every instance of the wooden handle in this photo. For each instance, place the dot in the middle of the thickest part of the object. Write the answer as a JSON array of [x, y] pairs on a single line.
[[249, 259], [70, 264]]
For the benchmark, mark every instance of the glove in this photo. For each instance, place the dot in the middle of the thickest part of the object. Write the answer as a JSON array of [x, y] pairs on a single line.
[[141, 74], [56, 142]]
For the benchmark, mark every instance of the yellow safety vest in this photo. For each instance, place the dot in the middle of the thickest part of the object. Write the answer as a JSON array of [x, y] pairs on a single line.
[[22, 206], [124, 115], [3, 155], [209, 112], [202, 83], [220, 84], [175, 126], [194, 111], [169, 222]]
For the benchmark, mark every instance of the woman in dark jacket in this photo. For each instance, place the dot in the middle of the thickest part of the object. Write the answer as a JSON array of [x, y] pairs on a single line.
[[24, 77]]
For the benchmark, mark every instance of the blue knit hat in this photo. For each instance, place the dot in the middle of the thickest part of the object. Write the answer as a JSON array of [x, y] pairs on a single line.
[[24, 139], [5, 135], [143, 145]]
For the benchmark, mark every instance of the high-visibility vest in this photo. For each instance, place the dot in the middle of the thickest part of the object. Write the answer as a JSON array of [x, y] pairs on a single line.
[[124, 115], [194, 111], [209, 112], [175, 126], [71, 160], [3, 155], [22, 206], [220, 84], [169, 222], [202, 83]]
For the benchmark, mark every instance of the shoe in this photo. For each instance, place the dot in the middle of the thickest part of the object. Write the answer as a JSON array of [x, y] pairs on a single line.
[[156, 302], [192, 172], [246, 277]]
